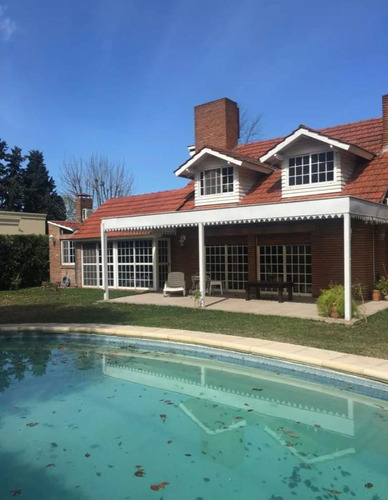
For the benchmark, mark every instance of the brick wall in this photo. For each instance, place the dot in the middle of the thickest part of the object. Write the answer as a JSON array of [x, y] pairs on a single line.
[[57, 270], [216, 124]]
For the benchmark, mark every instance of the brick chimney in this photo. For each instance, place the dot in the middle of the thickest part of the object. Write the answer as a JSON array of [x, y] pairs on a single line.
[[217, 124], [385, 122], [82, 201]]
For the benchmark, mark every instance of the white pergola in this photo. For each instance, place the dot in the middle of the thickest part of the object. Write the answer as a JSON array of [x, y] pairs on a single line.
[[328, 208]]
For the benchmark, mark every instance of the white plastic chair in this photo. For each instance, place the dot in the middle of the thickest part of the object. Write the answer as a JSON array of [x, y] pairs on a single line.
[[175, 283]]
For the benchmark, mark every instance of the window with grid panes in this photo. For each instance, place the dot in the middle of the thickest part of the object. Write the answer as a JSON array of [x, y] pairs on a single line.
[[216, 181], [286, 263], [311, 169], [67, 252], [228, 263]]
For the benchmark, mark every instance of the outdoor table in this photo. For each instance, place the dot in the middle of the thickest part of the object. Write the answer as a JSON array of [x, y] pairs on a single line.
[[255, 286]]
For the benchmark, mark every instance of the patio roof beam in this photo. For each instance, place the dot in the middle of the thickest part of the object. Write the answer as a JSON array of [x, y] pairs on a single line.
[[334, 207]]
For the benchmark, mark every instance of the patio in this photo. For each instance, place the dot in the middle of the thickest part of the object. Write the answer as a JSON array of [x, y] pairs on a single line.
[[300, 307]]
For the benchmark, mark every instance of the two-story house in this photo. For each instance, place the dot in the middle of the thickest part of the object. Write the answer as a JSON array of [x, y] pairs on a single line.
[[310, 208]]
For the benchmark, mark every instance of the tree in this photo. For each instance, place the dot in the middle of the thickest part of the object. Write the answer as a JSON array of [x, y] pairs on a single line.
[[12, 183], [3, 154], [98, 176], [250, 126], [40, 191], [69, 202]]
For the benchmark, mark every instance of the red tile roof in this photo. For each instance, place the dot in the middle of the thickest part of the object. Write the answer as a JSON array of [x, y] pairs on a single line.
[[151, 203], [369, 181]]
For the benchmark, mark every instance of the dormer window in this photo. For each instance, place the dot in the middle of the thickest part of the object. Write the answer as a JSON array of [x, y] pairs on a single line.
[[311, 169], [217, 181]]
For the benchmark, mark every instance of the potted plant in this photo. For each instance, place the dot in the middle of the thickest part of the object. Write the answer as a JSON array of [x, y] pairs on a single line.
[[331, 302], [381, 288]]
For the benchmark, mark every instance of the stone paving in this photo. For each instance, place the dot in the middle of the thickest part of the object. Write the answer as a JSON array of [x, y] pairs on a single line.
[[299, 308]]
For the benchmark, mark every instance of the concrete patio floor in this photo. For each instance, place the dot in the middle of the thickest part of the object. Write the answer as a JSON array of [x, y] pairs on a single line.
[[304, 308]]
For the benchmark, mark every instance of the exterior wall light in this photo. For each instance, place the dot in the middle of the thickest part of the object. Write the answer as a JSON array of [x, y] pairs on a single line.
[[182, 240]]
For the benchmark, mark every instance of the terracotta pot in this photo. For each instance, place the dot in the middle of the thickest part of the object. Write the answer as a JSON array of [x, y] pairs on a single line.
[[376, 295]]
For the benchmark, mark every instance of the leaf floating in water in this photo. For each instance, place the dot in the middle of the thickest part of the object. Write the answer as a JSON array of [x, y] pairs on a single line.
[[187, 454], [155, 487], [87, 455], [334, 492], [53, 445], [290, 433], [368, 486], [238, 418], [163, 484], [289, 444], [206, 479], [32, 424], [111, 397], [15, 407], [16, 493], [48, 466], [169, 442], [317, 426], [140, 471], [163, 417], [249, 410], [257, 389]]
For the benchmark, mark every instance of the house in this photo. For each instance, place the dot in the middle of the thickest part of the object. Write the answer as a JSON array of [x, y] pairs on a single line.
[[22, 223], [310, 208]]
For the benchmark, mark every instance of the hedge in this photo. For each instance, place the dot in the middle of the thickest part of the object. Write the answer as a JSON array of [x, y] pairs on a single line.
[[24, 261]]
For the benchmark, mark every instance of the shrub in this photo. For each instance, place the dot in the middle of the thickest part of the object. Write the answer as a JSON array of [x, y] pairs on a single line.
[[382, 286], [331, 302], [24, 261]]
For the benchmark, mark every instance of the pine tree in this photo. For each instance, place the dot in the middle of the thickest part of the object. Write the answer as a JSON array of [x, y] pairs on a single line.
[[40, 194], [3, 154], [13, 181]]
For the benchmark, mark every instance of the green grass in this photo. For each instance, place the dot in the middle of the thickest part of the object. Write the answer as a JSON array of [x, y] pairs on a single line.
[[35, 305]]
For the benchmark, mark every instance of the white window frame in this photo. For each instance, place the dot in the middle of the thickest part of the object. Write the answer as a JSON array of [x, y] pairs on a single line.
[[217, 178], [282, 256], [113, 264], [69, 252], [307, 168]]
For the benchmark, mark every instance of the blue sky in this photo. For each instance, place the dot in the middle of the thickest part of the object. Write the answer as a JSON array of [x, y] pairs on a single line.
[[121, 77]]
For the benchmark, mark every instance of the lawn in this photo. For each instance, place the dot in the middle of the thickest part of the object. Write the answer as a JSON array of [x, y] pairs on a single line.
[[35, 305]]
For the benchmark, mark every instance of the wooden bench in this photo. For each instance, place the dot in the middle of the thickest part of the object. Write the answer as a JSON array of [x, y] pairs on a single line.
[[255, 286]]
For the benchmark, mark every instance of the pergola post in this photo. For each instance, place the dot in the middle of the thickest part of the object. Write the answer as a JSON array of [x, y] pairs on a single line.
[[104, 261], [348, 266], [202, 264]]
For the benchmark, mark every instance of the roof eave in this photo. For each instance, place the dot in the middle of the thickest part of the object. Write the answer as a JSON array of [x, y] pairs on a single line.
[[304, 132], [185, 170]]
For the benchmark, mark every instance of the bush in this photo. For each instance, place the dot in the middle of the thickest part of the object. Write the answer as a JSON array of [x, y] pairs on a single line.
[[382, 286], [331, 302], [24, 261]]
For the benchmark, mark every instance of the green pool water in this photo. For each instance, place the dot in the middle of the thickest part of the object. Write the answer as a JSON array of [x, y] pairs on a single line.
[[100, 421]]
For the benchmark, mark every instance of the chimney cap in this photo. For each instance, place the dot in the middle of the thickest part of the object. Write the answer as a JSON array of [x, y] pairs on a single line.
[[83, 195]]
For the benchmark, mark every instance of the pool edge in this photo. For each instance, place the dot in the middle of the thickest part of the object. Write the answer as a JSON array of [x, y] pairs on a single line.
[[363, 366]]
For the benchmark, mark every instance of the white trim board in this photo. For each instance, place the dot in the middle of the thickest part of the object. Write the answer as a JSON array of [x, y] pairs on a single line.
[[285, 211]]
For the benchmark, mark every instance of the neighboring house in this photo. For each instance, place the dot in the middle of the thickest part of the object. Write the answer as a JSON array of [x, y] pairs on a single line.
[[310, 208], [22, 223]]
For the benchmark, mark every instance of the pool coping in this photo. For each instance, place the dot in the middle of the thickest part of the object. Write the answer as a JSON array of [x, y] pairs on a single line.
[[363, 366]]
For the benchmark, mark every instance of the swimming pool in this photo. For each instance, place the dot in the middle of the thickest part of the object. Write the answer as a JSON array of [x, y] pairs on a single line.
[[99, 418]]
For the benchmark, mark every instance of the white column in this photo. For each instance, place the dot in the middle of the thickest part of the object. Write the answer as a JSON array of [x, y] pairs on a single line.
[[347, 266], [104, 261], [202, 264]]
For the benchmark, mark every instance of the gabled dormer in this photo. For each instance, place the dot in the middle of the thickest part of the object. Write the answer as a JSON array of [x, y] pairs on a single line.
[[314, 163], [221, 176]]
